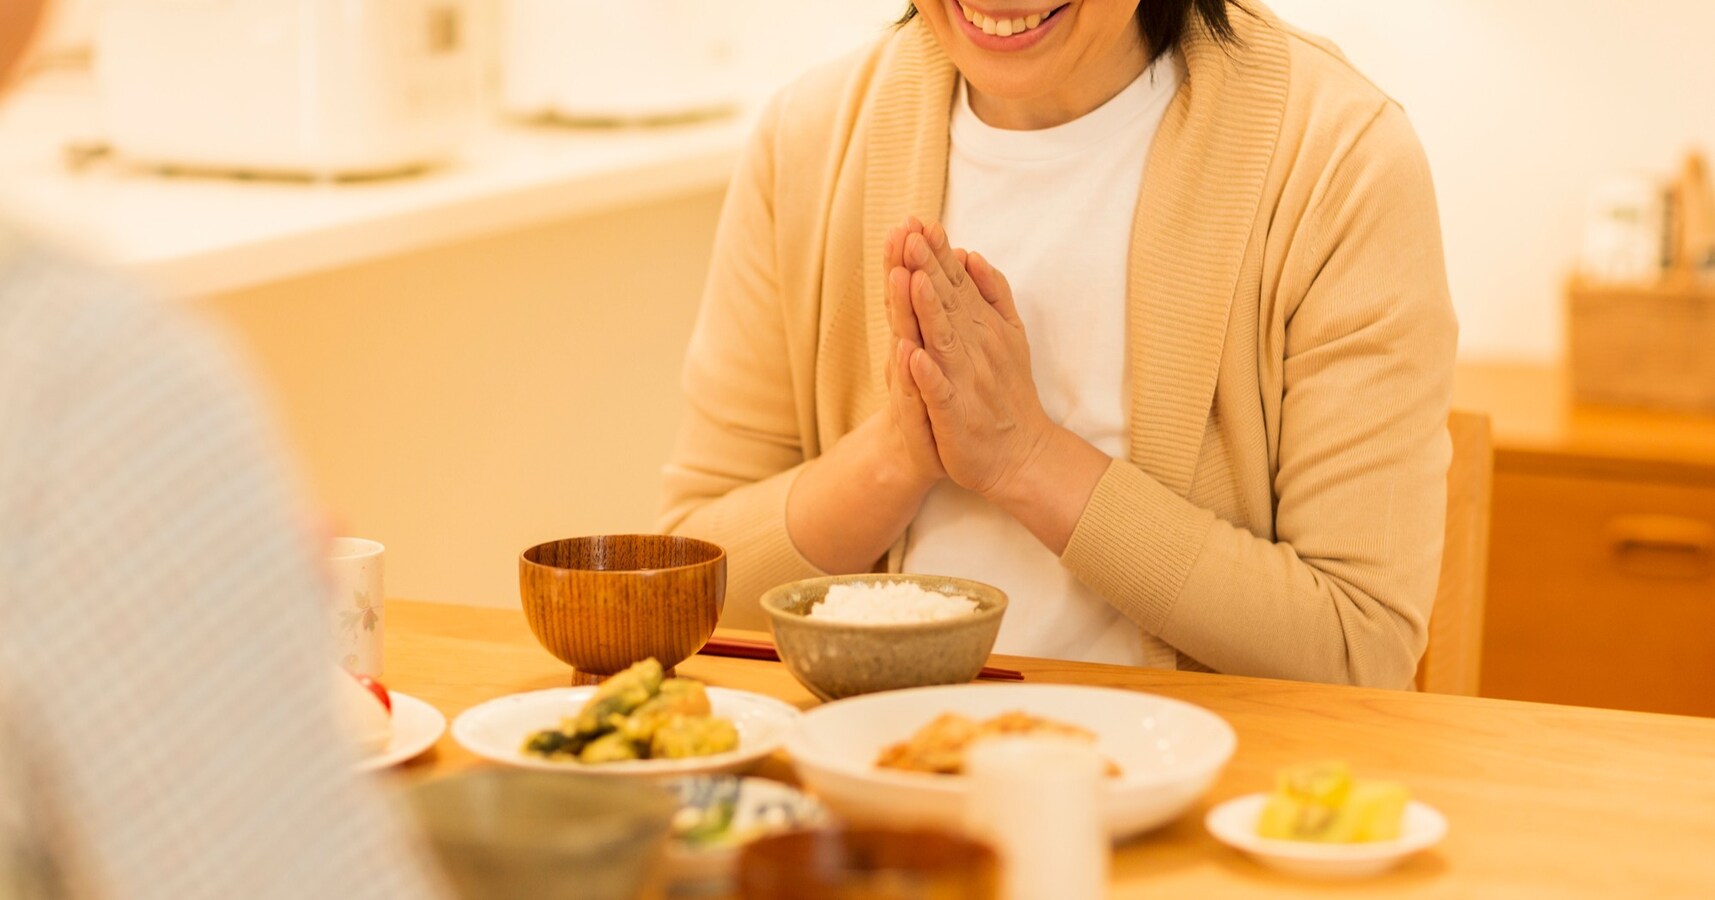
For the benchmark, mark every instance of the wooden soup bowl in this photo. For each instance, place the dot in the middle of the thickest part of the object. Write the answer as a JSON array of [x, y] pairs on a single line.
[[601, 603]]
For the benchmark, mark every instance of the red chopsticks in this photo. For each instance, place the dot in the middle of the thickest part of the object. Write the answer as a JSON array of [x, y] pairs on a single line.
[[739, 648], [742, 648]]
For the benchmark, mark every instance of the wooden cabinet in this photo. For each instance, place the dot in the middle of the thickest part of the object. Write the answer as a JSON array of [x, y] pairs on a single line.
[[1602, 549], [1601, 592]]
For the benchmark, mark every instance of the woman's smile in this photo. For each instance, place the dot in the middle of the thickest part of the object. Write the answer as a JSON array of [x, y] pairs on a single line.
[[1005, 30]]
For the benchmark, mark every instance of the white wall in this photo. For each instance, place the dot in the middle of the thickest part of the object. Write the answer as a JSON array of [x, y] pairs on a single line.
[[1522, 105], [784, 37], [462, 403]]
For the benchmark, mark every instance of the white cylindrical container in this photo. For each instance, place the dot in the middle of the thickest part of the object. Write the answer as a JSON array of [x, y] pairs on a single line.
[[318, 88], [639, 61], [1037, 800], [357, 612]]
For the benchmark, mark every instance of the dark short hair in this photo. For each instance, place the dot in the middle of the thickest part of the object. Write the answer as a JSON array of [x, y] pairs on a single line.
[[1164, 21]]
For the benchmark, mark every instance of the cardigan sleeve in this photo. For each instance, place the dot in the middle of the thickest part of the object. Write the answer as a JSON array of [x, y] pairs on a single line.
[[1343, 594], [740, 447]]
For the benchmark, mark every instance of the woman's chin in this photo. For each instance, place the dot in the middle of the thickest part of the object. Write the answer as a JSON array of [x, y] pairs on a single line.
[[1008, 84]]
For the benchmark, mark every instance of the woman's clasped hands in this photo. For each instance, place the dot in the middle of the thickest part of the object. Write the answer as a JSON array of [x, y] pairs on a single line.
[[960, 387], [962, 405]]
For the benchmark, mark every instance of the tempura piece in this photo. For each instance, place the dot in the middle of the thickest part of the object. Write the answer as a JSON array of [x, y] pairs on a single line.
[[638, 714], [682, 737], [610, 747], [554, 743], [678, 697], [616, 698], [1014, 723], [939, 747]]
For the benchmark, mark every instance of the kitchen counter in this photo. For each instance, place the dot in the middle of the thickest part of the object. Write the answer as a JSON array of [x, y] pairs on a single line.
[[200, 235], [1537, 424]]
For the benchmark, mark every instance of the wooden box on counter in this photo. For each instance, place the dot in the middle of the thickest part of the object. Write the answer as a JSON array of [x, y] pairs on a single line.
[[1650, 346]]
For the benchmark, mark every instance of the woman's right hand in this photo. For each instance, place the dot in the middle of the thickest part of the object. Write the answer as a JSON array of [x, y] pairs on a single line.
[[851, 504], [905, 407]]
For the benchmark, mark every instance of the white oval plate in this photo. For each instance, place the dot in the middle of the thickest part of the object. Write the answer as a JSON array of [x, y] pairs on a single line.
[[1168, 751], [497, 730], [416, 728], [1234, 823]]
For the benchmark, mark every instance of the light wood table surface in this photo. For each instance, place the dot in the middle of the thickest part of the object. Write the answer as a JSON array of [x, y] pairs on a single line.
[[1542, 801]]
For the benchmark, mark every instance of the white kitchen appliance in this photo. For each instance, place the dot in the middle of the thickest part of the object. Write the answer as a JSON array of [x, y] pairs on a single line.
[[637, 60], [327, 88]]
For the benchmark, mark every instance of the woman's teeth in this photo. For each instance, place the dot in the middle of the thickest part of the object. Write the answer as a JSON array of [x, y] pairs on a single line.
[[1002, 27]]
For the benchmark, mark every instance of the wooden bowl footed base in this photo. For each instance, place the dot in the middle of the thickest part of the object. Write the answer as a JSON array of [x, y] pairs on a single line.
[[580, 678]]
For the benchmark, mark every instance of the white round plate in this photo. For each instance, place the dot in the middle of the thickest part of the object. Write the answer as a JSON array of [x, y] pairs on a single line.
[[1234, 823], [1169, 752], [416, 728], [497, 730]]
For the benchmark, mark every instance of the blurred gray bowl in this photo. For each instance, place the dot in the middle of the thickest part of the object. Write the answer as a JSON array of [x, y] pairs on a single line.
[[844, 659], [507, 833]]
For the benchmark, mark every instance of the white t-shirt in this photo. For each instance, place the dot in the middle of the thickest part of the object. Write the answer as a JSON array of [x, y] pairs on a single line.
[[1053, 210]]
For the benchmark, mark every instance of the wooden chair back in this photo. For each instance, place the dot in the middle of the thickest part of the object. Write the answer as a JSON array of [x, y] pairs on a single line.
[[1451, 664]]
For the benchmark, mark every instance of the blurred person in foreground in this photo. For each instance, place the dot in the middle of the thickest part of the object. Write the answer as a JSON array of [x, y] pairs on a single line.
[[167, 727]]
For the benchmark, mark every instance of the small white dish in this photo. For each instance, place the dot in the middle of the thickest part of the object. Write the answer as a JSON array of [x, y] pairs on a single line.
[[416, 728], [496, 730], [1234, 823]]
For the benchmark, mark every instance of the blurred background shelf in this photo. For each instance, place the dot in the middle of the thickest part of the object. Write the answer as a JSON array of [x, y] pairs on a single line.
[[1602, 567]]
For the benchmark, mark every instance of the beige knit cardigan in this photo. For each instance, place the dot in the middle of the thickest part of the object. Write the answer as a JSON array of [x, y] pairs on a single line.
[[1280, 508]]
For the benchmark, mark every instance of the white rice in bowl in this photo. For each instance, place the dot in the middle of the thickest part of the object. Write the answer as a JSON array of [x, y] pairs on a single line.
[[888, 603]]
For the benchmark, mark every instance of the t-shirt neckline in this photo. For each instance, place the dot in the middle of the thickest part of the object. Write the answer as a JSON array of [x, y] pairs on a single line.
[[1153, 87]]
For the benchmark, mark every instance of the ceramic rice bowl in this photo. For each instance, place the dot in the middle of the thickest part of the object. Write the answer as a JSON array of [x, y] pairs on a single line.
[[845, 659]]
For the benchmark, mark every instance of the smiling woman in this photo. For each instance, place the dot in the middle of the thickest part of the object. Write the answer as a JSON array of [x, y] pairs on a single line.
[[1180, 389], [1082, 51]]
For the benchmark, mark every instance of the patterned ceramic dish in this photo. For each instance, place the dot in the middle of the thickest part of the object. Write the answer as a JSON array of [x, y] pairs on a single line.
[[718, 815], [844, 659], [497, 730]]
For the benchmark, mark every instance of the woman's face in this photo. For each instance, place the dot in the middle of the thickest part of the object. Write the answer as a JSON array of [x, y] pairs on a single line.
[[1022, 49]]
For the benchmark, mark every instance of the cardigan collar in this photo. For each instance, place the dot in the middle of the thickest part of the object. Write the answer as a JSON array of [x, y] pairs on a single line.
[[1202, 188], [1196, 213], [905, 168]]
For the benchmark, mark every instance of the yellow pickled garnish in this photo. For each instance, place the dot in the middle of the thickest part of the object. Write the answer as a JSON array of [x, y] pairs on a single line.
[[1322, 802]]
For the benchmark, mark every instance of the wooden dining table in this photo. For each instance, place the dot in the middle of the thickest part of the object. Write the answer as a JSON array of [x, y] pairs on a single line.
[[1541, 800]]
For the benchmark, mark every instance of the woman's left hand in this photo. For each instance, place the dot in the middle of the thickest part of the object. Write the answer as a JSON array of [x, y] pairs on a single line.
[[973, 368]]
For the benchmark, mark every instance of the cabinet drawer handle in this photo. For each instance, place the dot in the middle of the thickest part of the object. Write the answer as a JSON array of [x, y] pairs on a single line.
[[1662, 546]]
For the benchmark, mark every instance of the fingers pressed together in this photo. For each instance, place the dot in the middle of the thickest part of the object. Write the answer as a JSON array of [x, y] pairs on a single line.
[[910, 416], [960, 375]]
